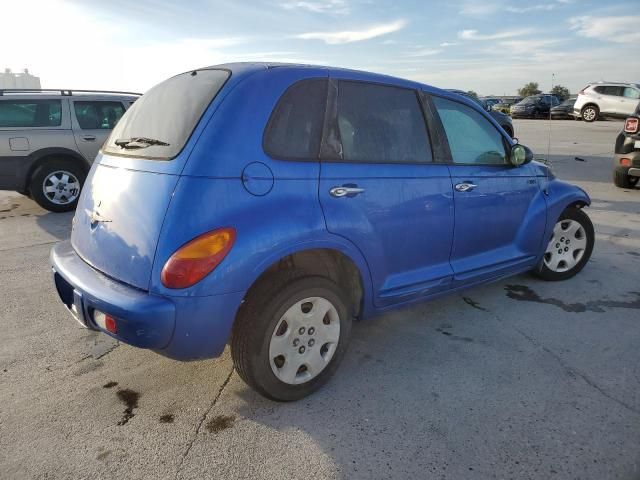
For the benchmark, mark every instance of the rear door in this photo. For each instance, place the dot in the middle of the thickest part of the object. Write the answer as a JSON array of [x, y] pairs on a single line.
[[92, 122], [630, 99], [499, 209], [381, 189]]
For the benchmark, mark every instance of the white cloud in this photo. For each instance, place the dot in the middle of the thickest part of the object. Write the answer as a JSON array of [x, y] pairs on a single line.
[[614, 29], [340, 7], [335, 38], [448, 44], [479, 8], [474, 35], [532, 8], [527, 47], [423, 52]]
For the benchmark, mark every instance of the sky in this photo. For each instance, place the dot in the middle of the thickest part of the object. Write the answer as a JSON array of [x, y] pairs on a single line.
[[489, 46]]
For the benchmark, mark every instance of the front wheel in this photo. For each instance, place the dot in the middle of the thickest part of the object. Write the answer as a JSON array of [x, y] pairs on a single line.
[[290, 335], [569, 248]]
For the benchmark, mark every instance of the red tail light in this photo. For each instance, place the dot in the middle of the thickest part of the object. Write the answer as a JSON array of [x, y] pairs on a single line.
[[197, 258], [106, 321], [631, 125]]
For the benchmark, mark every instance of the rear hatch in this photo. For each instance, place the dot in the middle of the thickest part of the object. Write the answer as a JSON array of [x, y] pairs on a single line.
[[125, 198]]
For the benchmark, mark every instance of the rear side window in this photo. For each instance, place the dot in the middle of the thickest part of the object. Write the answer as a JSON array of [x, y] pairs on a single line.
[[30, 113], [381, 124], [609, 90], [473, 140], [98, 115], [295, 127], [166, 114]]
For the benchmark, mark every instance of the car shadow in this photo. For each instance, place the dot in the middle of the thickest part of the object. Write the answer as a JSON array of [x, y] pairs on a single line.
[[56, 224]]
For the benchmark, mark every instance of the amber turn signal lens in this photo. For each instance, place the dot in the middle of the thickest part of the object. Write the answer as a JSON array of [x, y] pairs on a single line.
[[196, 259]]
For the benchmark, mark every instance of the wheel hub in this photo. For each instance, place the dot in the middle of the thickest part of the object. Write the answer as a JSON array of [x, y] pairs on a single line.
[[61, 187], [304, 340], [566, 247]]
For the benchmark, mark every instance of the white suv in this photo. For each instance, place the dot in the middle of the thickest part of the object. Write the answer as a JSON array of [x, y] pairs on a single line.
[[49, 138], [607, 99]]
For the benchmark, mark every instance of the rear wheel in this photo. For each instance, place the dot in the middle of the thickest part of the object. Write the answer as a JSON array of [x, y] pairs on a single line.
[[56, 185], [569, 248], [290, 335], [622, 180], [590, 113]]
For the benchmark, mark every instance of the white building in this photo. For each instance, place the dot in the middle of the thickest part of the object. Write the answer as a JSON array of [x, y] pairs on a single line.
[[24, 79]]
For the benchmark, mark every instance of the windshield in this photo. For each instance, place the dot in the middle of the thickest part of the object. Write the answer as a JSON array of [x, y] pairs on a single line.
[[530, 100], [159, 123]]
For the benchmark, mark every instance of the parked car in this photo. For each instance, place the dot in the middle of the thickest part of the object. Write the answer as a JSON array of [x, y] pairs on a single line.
[[564, 110], [503, 120], [626, 161], [505, 106], [534, 106], [607, 99], [271, 205], [490, 101], [49, 138]]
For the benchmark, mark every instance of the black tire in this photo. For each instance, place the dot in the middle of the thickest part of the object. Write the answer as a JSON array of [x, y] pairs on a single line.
[[36, 184], [622, 180], [258, 317], [578, 215], [590, 113]]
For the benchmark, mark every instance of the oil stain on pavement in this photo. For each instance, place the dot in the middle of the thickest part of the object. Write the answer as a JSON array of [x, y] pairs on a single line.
[[220, 423], [526, 294], [130, 399]]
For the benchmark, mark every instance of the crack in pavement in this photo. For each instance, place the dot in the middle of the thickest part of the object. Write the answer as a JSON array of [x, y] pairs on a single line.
[[201, 422], [572, 372], [29, 246]]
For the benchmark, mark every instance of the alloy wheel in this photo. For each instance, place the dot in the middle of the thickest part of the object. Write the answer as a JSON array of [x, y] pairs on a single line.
[[61, 187], [567, 246]]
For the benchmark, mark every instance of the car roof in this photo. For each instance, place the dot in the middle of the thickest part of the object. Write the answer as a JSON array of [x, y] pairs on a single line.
[[80, 96], [248, 68]]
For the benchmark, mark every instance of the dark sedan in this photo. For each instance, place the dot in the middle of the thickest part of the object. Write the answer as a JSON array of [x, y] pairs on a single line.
[[503, 120], [564, 110]]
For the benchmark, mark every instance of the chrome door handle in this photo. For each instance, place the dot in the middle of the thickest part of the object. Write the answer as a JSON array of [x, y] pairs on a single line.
[[344, 191], [465, 187], [88, 138]]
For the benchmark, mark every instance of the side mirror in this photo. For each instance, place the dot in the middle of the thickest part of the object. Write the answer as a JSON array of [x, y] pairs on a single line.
[[520, 155]]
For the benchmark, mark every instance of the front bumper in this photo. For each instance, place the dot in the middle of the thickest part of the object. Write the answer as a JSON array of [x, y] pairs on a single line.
[[183, 328]]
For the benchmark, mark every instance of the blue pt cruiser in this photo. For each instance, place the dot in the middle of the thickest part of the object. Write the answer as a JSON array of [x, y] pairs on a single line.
[[270, 205]]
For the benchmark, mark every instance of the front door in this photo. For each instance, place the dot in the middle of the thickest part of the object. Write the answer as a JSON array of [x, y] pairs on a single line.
[[383, 192], [93, 121], [500, 210]]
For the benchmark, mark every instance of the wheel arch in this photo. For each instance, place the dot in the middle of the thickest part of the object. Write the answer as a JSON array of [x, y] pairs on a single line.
[[341, 264], [40, 157]]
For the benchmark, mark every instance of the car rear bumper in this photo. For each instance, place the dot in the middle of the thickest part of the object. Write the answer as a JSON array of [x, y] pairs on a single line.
[[632, 167], [183, 328]]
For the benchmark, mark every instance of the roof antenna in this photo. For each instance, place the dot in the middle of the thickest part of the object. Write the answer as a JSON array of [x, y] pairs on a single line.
[[548, 162]]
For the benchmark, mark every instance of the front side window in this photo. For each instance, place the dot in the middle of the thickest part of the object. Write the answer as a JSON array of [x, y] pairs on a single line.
[[30, 113], [473, 140], [630, 92], [93, 115], [295, 127], [381, 124]]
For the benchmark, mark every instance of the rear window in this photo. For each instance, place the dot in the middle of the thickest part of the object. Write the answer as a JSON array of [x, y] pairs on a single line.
[[168, 113], [30, 113]]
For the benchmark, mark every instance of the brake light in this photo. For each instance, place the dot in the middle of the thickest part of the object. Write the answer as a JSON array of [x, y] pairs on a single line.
[[197, 258], [631, 125], [625, 162]]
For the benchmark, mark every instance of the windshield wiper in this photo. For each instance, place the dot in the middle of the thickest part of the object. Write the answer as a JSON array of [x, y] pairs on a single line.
[[139, 142]]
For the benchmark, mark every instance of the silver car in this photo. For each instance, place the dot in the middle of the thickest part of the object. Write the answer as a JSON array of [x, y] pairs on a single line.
[[607, 99], [49, 138]]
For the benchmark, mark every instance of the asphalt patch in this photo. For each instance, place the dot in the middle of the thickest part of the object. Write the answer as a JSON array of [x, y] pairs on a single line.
[[525, 294], [220, 423], [130, 399]]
